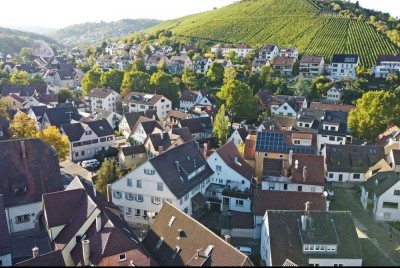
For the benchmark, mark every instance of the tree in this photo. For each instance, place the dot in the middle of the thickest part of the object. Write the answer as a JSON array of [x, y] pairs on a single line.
[[84, 66], [239, 100], [301, 88], [19, 78], [3, 109], [375, 111], [189, 79], [216, 72], [51, 135], [163, 84], [138, 65], [112, 79], [108, 173], [232, 56], [26, 54], [296, 68], [37, 79], [91, 80], [221, 126], [137, 81], [64, 94], [23, 127], [230, 74]]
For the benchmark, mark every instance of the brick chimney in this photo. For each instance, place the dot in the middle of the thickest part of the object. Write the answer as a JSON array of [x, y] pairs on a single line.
[[160, 149], [109, 195], [86, 252], [35, 252], [205, 149], [228, 239]]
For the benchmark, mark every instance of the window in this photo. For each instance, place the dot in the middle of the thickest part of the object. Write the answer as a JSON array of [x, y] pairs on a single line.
[[117, 194], [138, 212], [139, 198], [110, 138], [139, 184], [103, 139], [95, 141], [239, 203], [129, 182], [162, 100], [390, 205], [285, 186], [333, 128], [396, 192], [285, 107], [265, 154], [330, 175], [281, 156], [299, 188], [307, 125], [297, 142], [218, 168], [356, 176], [149, 171], [129, 196], [155, 200], [160, 186], [186, 197], [82, 152], [331, 138], [22, 218], [186, 210], [128, 211]]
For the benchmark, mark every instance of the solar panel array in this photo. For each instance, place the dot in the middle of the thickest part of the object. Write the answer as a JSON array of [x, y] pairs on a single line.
[[275, 142]]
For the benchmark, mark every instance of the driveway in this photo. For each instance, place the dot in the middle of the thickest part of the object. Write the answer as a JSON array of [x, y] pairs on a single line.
[[372, 235], [74, 169]]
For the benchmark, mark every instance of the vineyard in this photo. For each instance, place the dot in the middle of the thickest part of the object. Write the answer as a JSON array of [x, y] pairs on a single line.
[[286, 23]]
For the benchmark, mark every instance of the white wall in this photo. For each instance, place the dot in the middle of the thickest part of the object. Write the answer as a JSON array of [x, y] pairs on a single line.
[[12, 212], [292, 187], [265, 247], [348, 69], [347, 177], [285, 112], [388, 196], [331, 262], [364, 197], [325, 139], [108, 103], [236, 138], [6, 260]]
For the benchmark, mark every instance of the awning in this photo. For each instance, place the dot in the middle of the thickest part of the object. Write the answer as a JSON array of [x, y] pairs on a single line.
[[199, 200]]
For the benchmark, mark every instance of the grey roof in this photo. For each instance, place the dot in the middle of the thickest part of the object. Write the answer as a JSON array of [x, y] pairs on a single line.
[[333, 227], [133, 117], [345, 58], [141, 98], [4, 126], [99, 93], [387, 58], [381, 182], [188, 95], [75, 131], [131, 150], [53, 258], [267, 48], [183, 132], [198, 124], [311, 59], [22, 91], [5, 243], [61, 115], [352, 158], [190, 158], [100, 114]]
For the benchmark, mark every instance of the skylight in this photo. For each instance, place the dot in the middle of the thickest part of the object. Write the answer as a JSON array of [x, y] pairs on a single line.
[[171, 221], [208, 250]]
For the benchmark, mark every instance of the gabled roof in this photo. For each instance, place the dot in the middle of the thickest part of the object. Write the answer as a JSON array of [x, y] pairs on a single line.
[[315, 173], [67, 71], [311, 59], [284, 200], [389, 133], [5, 242], [352, 158], [266, 97], [214, 251], [232, 158], [188, 95], [198, 124], [381, 182], [332, 107], [132, 150], [133, 117], [387, 58], [22, 91], [281, 142], [38, 172], [143, 98], [99, 93], [268, 48], [53, 258], [284, 61], [75, 131], [323, 227], [61, 115], [381, 166], [345, 58], [243, 133], [189, 158]]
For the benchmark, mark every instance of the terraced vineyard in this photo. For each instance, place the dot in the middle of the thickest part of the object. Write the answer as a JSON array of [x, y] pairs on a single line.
[[286, 23]]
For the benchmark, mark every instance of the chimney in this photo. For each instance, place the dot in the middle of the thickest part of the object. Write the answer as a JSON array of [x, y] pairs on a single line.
[[205, 149], [109, 196], [290, 157], [304, 223], [94, 189], [228, 239], [304, 173], [197, 253], [23, 149], [194, 162], [236, 159], [197, 144], [177, 165], [86, 252], [179, 233], [35, 252], [162, 135], [160, 149], [98, 223]]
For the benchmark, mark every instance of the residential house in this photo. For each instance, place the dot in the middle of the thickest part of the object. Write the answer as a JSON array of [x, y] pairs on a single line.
[[58, 116], [344, 65], [64, 75], [310, 238], [49, 100], [77, 103], [241, 49], [173, 176], [389, 137], [283, 65], [202, 64], [232, 182], [238, 136], [349, 163], [311, 66], [290, 52], [199, 127], [332, 107], [29, 168], [393, 159], [386, 65], [14, 101], [277, 122], [129, 120], [190, 99], [176, 239], [52, 258], [225, 63], [154, 60], [4, 126], [132, 156], [182, 63], [257, 64], [381, 195], [164, 50], [173, 117], [290, 108], [143, 128], [381, 166], [278, 100], [86, 139], [102, 98], [277, 144], [112, 117], [187, 48], [88, 230], [5, 241], [105, 61], [335, 93], [268, 52], [264, 98], [15, 96], [139, 102]]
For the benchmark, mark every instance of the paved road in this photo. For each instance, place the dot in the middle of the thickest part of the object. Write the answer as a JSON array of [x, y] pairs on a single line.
[[367, 227], [74, 169]]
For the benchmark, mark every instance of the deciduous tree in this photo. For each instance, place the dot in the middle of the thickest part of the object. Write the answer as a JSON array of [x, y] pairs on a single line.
[[137, 81], [216, 72], [23, 127], [108, 173], [51, 135], [112, 79], [91, 80], [190, 79], [64, 94], [19, 78], [221, 126], [163, 84]]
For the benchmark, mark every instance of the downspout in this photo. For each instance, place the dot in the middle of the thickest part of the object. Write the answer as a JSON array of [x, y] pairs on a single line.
[[9, 219]]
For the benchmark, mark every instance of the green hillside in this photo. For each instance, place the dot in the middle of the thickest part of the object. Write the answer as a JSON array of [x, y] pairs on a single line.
[[11, 41], [287, 23]]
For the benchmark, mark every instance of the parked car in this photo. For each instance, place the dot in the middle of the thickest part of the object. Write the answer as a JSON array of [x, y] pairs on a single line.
[[86, 163]]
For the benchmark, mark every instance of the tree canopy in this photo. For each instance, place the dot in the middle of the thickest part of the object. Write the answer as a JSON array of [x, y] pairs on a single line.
[[216, 72], [19, 78], [136, 81], [163, 84], [91, 80], [107, 174], [51, 135], [112, 79], [23, 127], [221, 126]]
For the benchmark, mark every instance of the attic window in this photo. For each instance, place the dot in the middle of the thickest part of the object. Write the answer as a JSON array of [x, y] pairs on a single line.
[[171, 221], [122, 257], [159, 243], [176, 252]]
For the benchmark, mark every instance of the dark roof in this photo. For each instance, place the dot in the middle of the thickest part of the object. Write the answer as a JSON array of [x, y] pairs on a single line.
[[198, 124], [193, 236], [53, 258], [314, 164], [387, 58], [22, 91], [311, 59], [333, 227], [39, 172], [286, 200], [229, 152], [5, 242], [142, 98], [190, 159], [75, 131], [38, 110], [61, 115], [266, 97], [381, 182], [243, 133], [183, 132], [4, 126], [396, 156], [267, 48], [131, 150], [344, 58], [272, 167], [150, 125], [188, 95], [352, 158], [67, 71], [242, 220], [99, 93], [133, 117]]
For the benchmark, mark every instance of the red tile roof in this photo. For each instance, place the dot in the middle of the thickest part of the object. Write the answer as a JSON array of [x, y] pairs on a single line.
[[332, 107], [315, 173]]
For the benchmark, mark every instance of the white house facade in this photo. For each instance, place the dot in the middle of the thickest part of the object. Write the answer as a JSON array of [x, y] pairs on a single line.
[[101, 98], [344, 65]]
